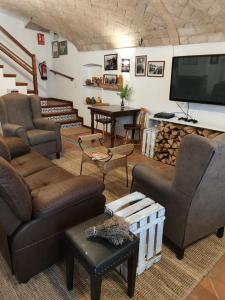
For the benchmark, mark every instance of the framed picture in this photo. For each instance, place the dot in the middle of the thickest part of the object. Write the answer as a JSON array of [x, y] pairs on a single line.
[[125, 67], [109, 79], [55, 49], [156, 68], [111, 62], [140, 65], [63, 50]]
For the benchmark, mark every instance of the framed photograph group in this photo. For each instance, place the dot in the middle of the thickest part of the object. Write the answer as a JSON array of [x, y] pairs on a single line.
[[55, 49], [140, 65], [156, 68], [59, 48]]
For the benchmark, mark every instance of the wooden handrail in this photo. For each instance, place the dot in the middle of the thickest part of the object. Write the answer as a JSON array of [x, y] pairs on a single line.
[[14, 54], [30, 69], [15, 40], [61, 74]]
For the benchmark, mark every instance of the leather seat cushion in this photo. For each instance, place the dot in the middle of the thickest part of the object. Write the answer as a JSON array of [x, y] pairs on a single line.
[[31, 163], [44, 178], [15, 191], [37, 136], [55, 197]]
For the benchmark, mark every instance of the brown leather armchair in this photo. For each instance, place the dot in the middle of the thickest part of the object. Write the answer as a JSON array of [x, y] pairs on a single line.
[[38, 202], [193, 193], [21, 117]]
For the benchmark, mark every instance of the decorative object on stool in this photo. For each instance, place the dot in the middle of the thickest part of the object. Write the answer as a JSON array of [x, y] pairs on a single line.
[[146, 219], [115, 230], [124, 94]]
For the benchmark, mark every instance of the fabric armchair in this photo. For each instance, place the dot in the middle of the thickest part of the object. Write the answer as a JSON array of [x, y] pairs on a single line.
[[21, 117], [192, 192]]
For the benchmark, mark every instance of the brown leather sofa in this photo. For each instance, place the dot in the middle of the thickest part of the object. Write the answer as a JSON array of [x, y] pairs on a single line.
[[38, 201], [20, 116], [193, 192]]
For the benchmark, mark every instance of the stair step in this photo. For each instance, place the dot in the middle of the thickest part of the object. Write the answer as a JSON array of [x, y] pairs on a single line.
[[55, 114], [65, 118], [57, 101], [71, 124], [56, 109], [9, 75], [30, 91], [21, 84]]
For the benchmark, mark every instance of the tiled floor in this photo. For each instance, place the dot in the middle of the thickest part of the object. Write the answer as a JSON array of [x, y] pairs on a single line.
[[212, 286]]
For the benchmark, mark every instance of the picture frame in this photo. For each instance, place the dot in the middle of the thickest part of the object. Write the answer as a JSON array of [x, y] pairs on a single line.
[[125, 66], [156, 68], [111, 62], [140, 65], [110, 79], [55, 49], [63, 48]]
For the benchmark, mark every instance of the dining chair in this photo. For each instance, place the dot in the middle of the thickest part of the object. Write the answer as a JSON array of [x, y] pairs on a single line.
[[138, 127]]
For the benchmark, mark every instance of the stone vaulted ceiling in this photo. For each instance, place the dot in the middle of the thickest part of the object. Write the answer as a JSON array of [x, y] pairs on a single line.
[[107, 24]]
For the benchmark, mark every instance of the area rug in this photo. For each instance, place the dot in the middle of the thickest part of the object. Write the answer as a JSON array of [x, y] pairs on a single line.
[[168, 279]]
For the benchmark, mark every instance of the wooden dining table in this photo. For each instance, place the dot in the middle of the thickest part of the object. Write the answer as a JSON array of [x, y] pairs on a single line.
[[112, 111]]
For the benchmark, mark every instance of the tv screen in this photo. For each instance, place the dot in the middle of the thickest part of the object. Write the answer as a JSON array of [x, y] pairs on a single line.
[[199, 79]]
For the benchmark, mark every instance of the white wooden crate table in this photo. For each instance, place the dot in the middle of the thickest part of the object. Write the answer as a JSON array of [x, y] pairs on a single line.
[[146, 219]]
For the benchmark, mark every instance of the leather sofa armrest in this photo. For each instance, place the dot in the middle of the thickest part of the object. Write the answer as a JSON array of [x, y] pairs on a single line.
[[15, 130], [16, 146], [45, 124]]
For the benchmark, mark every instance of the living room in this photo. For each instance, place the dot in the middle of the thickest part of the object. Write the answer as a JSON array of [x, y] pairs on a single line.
[[129, 34]]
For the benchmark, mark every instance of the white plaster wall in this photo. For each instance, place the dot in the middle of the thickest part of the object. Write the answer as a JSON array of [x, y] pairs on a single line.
[[28, 38]]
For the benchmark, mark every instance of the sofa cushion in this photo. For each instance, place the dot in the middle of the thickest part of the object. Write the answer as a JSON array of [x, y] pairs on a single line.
[[56, 197], [4, 150], [44, 178], [14, 191], [16, 146], [30, 163], [37, 136]]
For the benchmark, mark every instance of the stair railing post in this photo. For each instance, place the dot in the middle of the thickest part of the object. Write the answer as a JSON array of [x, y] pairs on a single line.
[[34, 68]]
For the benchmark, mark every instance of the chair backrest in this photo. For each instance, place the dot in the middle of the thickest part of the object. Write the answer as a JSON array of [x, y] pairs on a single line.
[[143, 117], [16, 108], [201, 177]]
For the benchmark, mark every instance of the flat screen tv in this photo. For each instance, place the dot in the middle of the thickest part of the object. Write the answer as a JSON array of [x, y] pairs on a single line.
[[199, 79]]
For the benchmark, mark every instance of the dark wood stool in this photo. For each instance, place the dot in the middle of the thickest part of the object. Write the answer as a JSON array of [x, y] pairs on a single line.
[[98, 256]]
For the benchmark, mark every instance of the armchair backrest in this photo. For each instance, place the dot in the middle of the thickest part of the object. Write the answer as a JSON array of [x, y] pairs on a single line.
[[194, 157], [19, 109]]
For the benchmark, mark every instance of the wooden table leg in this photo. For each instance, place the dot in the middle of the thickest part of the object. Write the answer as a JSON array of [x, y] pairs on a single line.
[[96, 283], [113, 132], [69, 269], [132, 267], [134, 122], [92, 122]]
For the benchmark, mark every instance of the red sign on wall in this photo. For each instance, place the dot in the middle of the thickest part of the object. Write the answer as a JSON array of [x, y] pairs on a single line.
[[41, 38]]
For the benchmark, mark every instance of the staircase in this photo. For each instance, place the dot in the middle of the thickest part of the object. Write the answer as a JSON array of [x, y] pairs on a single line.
[[61, 111], [9, 84]]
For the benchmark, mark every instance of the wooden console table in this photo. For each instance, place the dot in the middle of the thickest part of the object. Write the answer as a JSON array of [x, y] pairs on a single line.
[[112, 111]]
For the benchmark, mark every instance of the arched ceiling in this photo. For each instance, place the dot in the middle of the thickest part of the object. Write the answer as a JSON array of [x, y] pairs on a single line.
[[107, 24]]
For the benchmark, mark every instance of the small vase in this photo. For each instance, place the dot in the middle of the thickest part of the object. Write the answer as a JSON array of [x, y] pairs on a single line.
[[122, 104]]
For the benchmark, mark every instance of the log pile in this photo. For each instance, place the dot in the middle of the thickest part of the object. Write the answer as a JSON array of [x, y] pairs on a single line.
[[169, 138]]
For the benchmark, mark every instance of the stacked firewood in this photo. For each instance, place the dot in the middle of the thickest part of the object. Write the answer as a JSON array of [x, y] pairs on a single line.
[[169, 138]]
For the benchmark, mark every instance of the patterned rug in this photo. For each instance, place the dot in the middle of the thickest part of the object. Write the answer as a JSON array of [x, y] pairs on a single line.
[[168, 279]]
